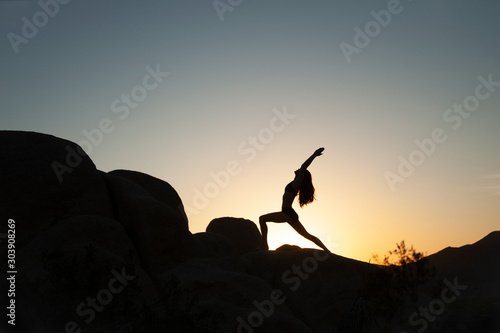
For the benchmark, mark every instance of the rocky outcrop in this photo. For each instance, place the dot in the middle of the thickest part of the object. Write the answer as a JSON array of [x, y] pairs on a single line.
[[241, 232], [160, 235], [45, 180], [157, 188], [112, 252], [305, 274]]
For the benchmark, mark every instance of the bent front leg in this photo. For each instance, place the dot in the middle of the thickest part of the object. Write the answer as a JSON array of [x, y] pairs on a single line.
[[263, 231], [277, 217]]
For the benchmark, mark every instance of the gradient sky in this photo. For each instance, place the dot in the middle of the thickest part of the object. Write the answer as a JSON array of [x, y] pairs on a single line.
[[229, 78]]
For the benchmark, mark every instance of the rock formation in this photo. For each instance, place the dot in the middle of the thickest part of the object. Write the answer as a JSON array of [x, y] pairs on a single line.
[[242, 233], [112, 252]]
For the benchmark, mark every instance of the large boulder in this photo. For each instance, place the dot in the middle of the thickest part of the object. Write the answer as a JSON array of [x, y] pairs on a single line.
[[243, 233], [159, 233], [45, 180], [159, 189]]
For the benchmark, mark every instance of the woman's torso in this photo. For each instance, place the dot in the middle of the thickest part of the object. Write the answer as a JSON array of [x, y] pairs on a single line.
[[289, 195]]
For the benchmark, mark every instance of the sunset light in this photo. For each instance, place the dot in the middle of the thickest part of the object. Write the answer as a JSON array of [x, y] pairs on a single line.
[[130, 127]]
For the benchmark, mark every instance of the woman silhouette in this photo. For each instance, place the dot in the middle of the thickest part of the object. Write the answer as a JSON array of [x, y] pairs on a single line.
[[301, 184]]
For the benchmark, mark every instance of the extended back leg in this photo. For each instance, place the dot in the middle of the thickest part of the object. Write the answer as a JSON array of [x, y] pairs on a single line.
[[303, 232]]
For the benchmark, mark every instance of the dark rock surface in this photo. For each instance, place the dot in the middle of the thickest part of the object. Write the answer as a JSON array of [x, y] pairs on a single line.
[[158, 231], [34, 193], [157, 188], [112, 252], [243, 233]]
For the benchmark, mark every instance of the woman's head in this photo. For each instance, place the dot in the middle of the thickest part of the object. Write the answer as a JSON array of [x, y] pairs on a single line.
[[306, 191]]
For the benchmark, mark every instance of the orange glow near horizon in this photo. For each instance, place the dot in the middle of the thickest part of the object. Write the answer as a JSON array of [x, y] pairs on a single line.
[[353, 216], [356, 215], [265, 92]]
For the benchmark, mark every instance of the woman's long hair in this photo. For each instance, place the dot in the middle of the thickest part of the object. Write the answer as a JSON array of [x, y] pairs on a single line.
[[306, 192]]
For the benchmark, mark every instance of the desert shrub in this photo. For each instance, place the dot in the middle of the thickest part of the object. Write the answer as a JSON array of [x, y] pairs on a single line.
[[387, 289]]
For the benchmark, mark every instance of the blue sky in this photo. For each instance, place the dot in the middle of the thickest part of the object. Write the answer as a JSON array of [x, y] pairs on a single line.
[[227, 76]]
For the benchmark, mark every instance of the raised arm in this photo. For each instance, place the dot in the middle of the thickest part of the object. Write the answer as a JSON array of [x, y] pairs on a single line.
[[308, 162]]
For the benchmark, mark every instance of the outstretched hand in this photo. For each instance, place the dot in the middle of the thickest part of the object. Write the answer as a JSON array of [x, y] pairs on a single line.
[[319, 152]]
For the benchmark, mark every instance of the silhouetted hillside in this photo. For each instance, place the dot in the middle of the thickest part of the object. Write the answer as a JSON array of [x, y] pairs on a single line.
[[477, 265]]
